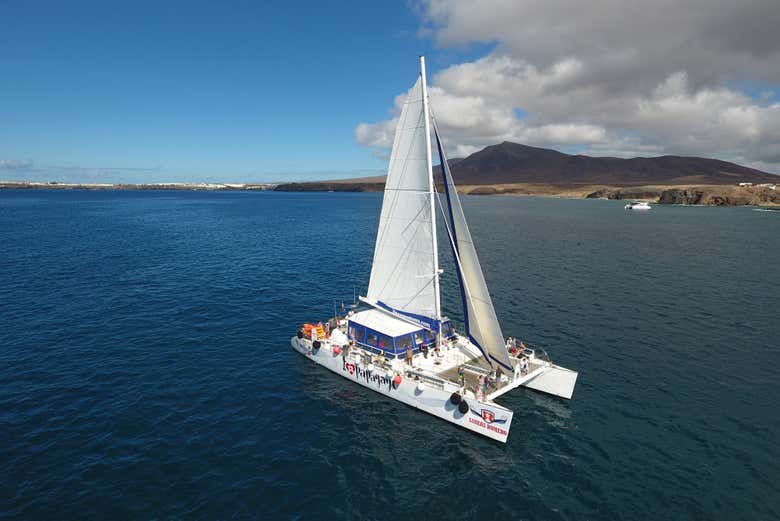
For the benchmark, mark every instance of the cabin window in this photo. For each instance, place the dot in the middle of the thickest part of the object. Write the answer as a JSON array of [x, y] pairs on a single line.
[[447, 329], [430, 336], [371, 338], [403, 343], [418, 338], [385, 342], [356, 333]]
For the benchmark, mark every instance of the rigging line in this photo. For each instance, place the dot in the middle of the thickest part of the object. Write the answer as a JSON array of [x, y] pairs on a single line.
[[454, 248], [460, 266], [419, 291], [448, 182]]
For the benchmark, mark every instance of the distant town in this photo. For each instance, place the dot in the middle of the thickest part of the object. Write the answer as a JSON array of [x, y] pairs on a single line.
[[145, 186]]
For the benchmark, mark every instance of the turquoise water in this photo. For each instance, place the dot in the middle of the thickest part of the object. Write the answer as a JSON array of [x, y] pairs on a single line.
[[145, 367]]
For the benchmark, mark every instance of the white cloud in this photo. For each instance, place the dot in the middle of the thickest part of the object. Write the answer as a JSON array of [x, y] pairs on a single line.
[[15, 164], [619, 78]]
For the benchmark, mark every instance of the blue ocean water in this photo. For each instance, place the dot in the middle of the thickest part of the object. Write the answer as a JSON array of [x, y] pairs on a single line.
[[146, 372]]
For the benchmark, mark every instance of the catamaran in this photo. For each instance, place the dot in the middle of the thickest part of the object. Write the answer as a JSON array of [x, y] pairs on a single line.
[[401, 345]]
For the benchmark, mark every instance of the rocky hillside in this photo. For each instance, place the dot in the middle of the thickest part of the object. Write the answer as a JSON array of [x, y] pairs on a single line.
[[720, 196], [515, 163]]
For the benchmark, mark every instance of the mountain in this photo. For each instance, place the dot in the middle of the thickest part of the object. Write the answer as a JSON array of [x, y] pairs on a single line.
[[507, 163], [512, 168]]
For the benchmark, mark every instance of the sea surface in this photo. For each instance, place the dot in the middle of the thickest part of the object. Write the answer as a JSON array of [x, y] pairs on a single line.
[[146, 370]]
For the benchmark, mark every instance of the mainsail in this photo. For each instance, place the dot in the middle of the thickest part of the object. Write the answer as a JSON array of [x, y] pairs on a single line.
[[482, 325], [403, 275]]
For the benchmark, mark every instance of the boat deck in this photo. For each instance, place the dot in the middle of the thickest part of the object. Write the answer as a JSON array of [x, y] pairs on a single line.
[[442, 370], [446, 367]]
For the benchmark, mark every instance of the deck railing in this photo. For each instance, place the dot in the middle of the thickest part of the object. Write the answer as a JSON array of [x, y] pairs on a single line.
[[433, 381]]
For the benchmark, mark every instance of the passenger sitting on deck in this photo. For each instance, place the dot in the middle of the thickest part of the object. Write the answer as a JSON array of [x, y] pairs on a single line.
[[522, 346], [410, 356]]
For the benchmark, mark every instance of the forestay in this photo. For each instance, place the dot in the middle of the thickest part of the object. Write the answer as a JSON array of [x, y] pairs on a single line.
[[481, 322], [402, 275]]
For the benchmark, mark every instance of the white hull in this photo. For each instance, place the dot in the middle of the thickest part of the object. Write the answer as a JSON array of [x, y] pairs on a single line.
[[556, 380], [403, 347], [430, 400], [483, 417]]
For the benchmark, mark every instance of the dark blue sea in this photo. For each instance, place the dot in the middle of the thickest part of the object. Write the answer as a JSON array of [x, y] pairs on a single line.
[[146, 370]]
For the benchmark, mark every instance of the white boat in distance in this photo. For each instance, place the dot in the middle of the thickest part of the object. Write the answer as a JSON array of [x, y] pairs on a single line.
[[401, 345], [640, 205]]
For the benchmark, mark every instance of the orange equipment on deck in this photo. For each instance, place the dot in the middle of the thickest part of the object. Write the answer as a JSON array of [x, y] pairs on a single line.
[[307, 329]]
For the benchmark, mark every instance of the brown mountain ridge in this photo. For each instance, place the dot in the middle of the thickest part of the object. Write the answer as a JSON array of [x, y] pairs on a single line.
[[512, 163], [515, 163]]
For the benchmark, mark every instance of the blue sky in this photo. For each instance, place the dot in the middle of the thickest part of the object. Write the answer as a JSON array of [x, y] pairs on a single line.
[[200, 91], [280, 91]]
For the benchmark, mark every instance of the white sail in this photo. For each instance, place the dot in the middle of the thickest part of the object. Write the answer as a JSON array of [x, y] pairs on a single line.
[[403, 273], [482, 325]]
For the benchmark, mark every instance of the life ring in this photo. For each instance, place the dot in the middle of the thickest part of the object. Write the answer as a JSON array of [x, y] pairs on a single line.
[[455, 399], [463, 407]]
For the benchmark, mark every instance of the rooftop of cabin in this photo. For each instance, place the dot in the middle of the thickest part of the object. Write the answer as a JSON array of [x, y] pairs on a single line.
[[384, 323]]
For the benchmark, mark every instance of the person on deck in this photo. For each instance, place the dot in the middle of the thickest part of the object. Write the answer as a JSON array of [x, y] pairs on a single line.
[[410, 356], [499, 374]]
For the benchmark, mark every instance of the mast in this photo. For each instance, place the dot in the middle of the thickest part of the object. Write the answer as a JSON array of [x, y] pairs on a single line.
[[432, 189]]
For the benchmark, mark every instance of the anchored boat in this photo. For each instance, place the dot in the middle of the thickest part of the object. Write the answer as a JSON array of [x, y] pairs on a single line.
[[401, 345]]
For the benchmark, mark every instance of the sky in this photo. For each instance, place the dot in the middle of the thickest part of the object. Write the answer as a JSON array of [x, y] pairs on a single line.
[[239, 92]]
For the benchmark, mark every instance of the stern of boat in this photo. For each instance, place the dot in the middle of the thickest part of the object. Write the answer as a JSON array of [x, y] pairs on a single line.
[[554, 380]]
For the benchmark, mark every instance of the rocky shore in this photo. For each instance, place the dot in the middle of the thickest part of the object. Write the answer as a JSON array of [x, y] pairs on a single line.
[[707, 195], [704, 195], [722, 196]]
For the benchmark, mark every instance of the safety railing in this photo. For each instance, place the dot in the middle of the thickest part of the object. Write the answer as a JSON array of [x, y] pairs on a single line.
[[433, 381]]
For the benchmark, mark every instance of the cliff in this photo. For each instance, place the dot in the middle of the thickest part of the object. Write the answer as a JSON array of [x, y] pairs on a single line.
[[721, 196]]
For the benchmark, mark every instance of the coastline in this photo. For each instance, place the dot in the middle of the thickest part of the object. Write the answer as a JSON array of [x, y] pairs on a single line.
[[692, 195], [25, 185], [686, 194]]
